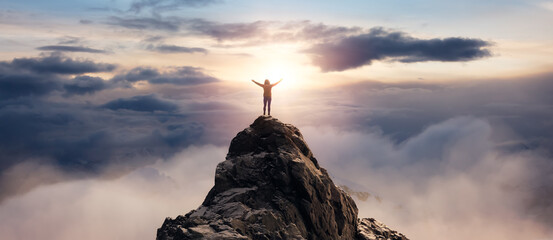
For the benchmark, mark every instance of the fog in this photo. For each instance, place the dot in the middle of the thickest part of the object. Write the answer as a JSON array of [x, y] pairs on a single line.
[[448, 180], [130, 207]]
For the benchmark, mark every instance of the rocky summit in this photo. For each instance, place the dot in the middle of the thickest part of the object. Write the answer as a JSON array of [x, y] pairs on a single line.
[[271, 187]]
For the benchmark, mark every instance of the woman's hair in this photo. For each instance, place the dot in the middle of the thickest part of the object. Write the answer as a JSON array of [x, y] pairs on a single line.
[[267, 81]]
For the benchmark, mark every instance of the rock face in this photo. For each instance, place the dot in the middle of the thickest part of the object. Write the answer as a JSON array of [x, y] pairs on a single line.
[[271, 187]]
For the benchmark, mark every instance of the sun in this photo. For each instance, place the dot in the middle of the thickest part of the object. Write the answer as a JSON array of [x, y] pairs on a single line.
[[275, 71]]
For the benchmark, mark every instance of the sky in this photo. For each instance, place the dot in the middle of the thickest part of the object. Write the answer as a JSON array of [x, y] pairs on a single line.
[[114, 114]]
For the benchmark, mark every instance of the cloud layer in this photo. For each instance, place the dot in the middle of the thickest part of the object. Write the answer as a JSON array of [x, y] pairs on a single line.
[[449, 180], [49, 116]]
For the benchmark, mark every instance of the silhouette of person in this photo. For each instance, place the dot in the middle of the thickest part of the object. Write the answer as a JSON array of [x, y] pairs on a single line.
[[267, 86]]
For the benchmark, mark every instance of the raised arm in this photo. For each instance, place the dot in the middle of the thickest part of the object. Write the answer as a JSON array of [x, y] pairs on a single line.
[[274, 84], [261, 85]]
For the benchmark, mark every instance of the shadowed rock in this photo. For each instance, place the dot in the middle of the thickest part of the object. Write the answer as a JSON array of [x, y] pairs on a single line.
[[271, 187]]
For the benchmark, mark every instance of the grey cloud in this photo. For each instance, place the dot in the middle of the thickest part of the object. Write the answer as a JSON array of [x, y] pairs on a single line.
[[313, 31], [147, 103], [163, 5], [218, 31], [168, 24], [177, 76], [452, 173], [153, 38], [84, 85], [14, 84], [35, 77], [164, 48], [84, 138], [85, 21], [86, 141], [58, 64], [379, 44], [401, 110], [64, 48], [227, 31], [69, 40], [259, 32]]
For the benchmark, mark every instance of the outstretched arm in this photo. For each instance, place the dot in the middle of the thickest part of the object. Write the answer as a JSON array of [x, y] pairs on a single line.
[[276, 82], [261, 85]]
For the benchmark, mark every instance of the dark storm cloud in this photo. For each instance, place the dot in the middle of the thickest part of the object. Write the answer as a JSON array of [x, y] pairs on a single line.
[[177, 76], [379, 44], [148, 103], [163, 5], [164, 48], [57, 64], [64, 48], [84, 85]]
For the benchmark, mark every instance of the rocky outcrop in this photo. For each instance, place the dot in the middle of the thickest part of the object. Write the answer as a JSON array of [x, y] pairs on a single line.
[[271, 187], [370, 229]]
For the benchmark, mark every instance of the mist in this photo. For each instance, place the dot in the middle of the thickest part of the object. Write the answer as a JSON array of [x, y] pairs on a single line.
[[130, 207], [449, 180]]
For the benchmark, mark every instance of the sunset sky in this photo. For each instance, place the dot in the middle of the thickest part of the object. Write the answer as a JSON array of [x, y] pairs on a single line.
[[114, 113]]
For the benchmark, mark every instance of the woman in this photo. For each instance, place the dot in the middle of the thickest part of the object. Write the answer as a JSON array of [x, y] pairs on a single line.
[[267, 93]]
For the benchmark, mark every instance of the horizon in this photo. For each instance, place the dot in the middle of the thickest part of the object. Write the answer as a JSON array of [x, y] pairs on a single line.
[[120, 109]]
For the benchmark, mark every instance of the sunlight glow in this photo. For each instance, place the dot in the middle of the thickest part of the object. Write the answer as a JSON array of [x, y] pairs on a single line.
[[276, 70]]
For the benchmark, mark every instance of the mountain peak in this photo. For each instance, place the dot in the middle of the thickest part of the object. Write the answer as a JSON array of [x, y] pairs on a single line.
[[271, 187]]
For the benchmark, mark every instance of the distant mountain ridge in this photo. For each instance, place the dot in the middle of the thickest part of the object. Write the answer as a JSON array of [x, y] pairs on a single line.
[[271, 187]]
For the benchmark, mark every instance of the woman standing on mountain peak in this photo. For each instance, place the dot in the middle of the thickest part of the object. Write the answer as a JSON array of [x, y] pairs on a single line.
[[267, 86]]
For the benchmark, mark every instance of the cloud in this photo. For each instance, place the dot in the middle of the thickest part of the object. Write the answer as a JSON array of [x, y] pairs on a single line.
[[164, 5], [81, 85], [177, 76], [379, 44], [449, 179], [89, 141], [257, 32], [129, 207], [227, 31], [547, 5], [85, 21], [69, 40], [57, 64], [64, 48], [313, 31], [469, 188], [91, 131], [36, 77], [171, 24], [147, 103], [164, 48], [15, 84], [401, 110]]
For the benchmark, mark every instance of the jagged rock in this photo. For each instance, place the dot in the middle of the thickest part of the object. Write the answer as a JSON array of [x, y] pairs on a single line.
[[370, 229], [271, 187]]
